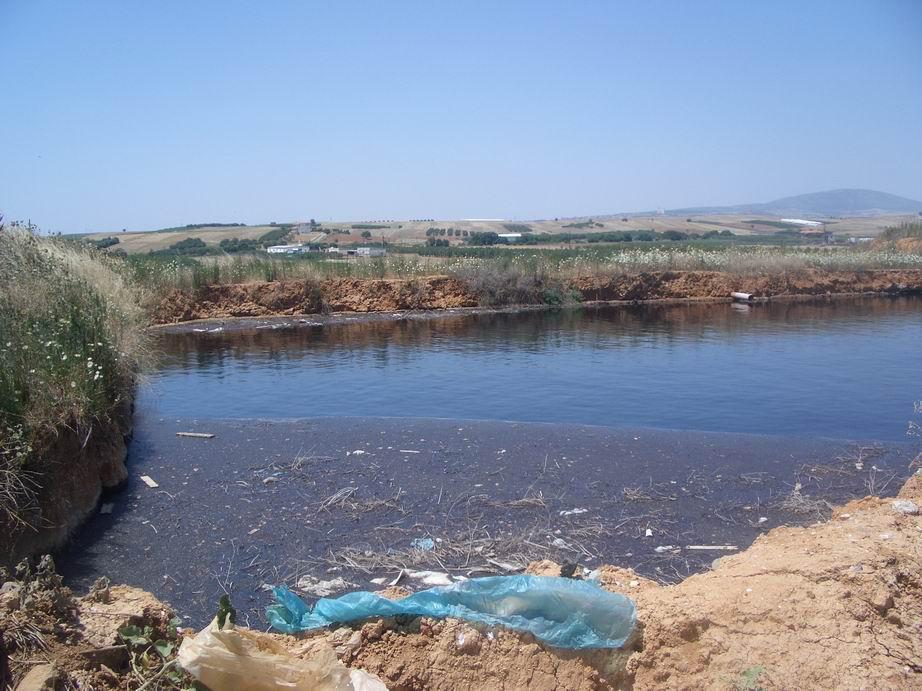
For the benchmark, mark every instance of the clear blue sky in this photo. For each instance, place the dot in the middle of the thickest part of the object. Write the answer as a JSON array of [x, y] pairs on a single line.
[[151, 114]]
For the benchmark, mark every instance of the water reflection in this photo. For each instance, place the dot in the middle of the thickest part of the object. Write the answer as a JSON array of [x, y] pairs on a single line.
[[837, 368]]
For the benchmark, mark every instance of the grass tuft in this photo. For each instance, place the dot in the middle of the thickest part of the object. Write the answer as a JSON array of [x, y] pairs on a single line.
[[70, 345]]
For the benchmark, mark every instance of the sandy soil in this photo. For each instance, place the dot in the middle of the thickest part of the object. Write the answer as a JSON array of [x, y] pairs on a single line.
[[834, 605], [441, 292]]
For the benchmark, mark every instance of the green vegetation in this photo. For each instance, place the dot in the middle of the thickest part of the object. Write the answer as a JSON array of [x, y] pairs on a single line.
[[152, 654], [198, 226], [749, 679], [70, 339], [509, 283], [517, 228], [780, 225], [104, 243], [905, 230], [160, 274], [487, 238], [368, 226], [584, 224], [594, 238], [196, 247], [192, 247], [276, 236], [236, 245]]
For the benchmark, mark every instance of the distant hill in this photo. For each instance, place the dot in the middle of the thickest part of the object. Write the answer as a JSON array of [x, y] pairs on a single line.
[[847, 202]]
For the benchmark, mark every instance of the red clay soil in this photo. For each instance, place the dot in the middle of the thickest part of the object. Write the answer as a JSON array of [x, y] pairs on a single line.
[[308, 297], [667, 285], [441, 292]]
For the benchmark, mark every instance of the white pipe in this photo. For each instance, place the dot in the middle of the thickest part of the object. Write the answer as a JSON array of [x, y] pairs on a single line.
[[745, 297]]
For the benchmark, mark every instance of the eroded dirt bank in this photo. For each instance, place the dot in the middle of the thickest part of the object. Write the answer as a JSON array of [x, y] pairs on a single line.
[[442, 292], [74, 469], [833, 605]]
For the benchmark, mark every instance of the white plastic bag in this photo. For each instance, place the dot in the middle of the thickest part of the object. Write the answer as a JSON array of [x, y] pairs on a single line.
[[232, 659]]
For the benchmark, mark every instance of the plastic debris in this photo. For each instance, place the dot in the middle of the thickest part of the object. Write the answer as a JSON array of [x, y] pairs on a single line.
[[664, 548], [763, 519], [727, 548], [573, 512], [149, 481], [648, 533], [430, 577], [197, 435], [233, 659], [506, 566], [423, 543], [317, 588], [558, 611], [904, 506]]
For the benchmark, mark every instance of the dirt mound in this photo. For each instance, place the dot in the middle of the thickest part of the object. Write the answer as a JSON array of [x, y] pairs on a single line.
[[671, 285], [834, 605], [312, 297], [909, 245], [441, 292], [74, 468], [51, 639]]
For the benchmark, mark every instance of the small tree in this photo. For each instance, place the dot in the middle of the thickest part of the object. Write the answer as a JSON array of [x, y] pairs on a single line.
[[366, 234]]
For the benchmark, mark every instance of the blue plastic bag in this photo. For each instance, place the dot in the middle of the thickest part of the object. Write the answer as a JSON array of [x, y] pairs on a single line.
[[561, 612]]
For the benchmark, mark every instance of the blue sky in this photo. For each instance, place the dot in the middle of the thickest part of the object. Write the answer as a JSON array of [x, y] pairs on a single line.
[[152, 114]]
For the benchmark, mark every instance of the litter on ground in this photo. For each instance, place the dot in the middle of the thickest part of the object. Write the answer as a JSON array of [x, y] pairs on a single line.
[[423, 543], [561, 612], [318, 588], [149, 481]]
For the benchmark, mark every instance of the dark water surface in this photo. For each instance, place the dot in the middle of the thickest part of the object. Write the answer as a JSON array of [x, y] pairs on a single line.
[[264, 503], [840, 369], [767, 397]]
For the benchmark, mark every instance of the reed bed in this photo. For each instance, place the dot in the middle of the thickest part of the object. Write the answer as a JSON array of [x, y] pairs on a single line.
[[160, 274]]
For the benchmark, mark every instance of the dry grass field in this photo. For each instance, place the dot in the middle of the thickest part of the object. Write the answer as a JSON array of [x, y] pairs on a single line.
[[414, 231]]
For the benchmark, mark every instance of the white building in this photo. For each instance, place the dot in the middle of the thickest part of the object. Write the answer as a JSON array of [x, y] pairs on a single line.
[[286, 249], [370, 251], [510, 237]]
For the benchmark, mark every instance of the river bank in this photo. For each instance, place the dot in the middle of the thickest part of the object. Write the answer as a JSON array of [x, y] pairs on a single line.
[[70, 352], [834, 604], [436, 293]]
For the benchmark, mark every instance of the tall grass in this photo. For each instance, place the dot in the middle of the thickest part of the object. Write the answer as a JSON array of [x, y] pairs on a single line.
[[163, 274], [70, 339], [911, 230]]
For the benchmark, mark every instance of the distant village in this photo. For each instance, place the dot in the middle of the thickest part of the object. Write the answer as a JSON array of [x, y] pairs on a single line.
[[318, 249]]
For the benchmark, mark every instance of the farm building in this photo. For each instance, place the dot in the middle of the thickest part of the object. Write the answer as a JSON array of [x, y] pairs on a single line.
[[370, 251], [286, 249]]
